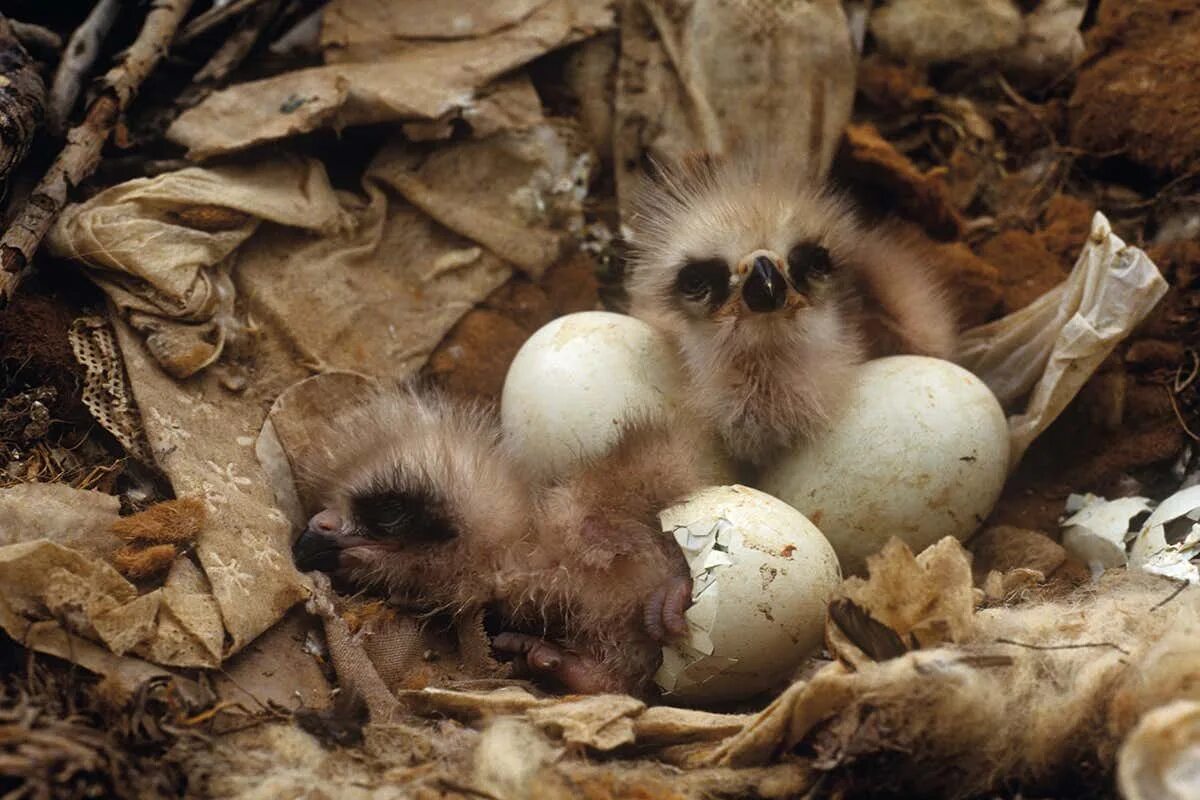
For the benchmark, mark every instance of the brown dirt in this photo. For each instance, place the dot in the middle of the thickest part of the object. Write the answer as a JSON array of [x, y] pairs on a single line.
[[890, 87], [1066, 224], [1140, 97], [1074, 456], [1027, 270], [35, 349], [473, 359], [873, 170], [974, 284]]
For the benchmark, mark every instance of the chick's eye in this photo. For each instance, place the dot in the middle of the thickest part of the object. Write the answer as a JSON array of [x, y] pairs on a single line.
[[808, 260], [708, 279]]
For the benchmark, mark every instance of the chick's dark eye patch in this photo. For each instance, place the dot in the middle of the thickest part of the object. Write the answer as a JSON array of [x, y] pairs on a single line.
[[402, 515], [704, 279], [808, 261]]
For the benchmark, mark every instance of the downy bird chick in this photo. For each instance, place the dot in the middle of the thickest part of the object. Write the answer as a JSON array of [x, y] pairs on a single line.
[[774, 292], [616, 585], [422, 502], [417, 500]]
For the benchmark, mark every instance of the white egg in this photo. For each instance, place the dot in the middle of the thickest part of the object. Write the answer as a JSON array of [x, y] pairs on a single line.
[[577, 379], [762, 576], [920, 453]]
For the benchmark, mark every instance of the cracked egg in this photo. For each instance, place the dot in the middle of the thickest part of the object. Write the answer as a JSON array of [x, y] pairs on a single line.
[[762, 576]]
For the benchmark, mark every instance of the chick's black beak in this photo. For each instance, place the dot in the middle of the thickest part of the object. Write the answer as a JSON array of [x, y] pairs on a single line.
[[319, 546], [765, 289]]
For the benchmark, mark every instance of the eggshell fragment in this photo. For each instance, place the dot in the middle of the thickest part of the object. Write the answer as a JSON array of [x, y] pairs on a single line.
[[1099, 529], [762, 576], [1169, 542], [576, 380], [920, 453]]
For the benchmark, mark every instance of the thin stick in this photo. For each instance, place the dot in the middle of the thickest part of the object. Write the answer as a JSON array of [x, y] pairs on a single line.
[[1078, 646], [1183, 584], [239, 44], [35, 37], [77, 60], [22, 99], [212, 18], [85, 141]]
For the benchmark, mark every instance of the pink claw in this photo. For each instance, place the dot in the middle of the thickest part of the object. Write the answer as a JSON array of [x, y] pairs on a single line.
[[664, 613]]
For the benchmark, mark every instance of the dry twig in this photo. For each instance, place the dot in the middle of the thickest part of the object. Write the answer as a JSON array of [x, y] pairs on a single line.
[[85, 141], [22, 99], [77, 60], [214, 17], [239, 44], [36, 38]]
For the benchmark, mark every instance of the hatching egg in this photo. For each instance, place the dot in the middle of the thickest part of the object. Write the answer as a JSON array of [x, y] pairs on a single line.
[[762, 576], [920, 453], [577, 380]]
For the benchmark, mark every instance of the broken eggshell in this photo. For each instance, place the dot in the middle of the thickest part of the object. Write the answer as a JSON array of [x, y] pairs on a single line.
[[920, 453], [1104, 533], [1169, 542], [576, 380], [762, 576], [1098, 531]]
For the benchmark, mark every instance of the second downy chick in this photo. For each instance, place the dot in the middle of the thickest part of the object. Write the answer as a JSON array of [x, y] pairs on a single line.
[[422, 503]]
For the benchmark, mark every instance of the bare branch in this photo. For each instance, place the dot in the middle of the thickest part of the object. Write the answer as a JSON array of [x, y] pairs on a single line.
[[239, 44], [214, 17], [77, 60], [22, 99], [35, 37], [85, 141]]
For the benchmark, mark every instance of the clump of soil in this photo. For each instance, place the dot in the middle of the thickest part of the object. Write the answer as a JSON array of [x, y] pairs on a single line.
[[1140, 96], [60, 739], [473, 359]]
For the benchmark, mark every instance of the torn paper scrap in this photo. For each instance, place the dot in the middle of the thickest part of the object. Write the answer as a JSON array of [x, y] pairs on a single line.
[[203, 438], [56, 512], [46, 584], [381, 78], [158, 246], [1046, 351], [70, 582], [707, 76], [536, 179], [362, 30], [187, 261]]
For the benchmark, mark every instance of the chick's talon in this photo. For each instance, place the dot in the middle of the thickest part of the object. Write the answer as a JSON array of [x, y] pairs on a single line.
[[578, 674], [664, 612]]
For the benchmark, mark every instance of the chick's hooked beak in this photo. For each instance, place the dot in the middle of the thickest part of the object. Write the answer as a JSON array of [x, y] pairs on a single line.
[[764, 287]]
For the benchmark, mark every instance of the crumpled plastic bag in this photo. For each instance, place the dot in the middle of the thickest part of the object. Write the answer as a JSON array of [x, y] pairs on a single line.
[[398, 67], [709, 74], [1046, 351]]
